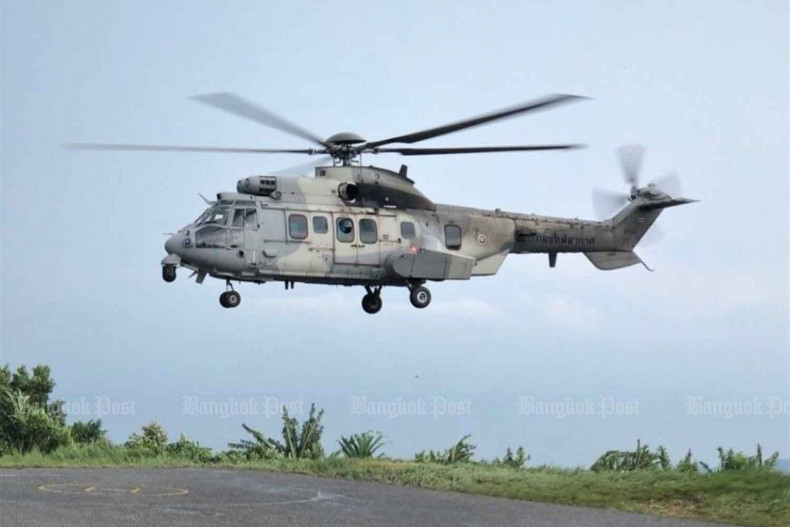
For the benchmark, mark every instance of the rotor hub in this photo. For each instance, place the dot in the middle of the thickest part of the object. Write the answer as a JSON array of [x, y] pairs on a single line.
[[341, 146], [345, 138]]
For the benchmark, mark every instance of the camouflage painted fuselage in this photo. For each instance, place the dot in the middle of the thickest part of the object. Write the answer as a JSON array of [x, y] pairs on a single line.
[[365, 225]]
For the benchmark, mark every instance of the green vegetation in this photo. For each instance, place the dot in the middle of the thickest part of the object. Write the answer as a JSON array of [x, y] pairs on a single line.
[[362, 445], [513, 461], [297, 443], [88, 433], [640, 459], [743, 489], [28, 419], [739, 461], [461, 452]]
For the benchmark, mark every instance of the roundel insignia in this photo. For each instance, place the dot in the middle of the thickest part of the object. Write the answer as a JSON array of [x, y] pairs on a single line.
[[482, 239]]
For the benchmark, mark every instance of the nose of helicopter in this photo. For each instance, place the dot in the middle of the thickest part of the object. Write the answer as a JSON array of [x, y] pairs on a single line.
[[174, 243]]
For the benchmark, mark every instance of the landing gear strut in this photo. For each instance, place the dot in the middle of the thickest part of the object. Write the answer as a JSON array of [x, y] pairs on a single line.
[[229, 298], [420, 297], [371, 302]]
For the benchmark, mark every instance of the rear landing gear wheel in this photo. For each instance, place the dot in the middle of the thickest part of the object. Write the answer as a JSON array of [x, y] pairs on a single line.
[[169, 273], [420, 297], [230, 299], [372, 303]]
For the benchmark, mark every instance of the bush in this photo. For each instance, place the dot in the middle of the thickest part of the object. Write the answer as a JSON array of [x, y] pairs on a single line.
[[261, 447], [362, 445], [27, 418], [640, 459], [460, 452], [730, 460], [513, 461], [87, 433], [304, 442], [688, 465], [186, 448], [25, 426], [153, 438], [307, 442]]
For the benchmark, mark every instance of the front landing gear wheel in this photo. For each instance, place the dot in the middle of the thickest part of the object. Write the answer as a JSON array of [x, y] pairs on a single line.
[[420, 297], [230, 299], [169, 273], [372, 303]]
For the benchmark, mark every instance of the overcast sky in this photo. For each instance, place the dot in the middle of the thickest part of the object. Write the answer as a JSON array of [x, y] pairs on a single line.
[[704, 85]]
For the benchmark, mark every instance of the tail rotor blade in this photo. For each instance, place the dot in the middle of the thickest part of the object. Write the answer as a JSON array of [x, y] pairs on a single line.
[[669, 184], [606, 202], [631, 157], [653, 236]]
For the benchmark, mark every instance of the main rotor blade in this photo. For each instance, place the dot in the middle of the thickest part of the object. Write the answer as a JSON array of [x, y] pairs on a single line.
[[546, 102], [631, 157], [302, 168], [606, 202], [236, 105], [178, 148], [470, 150]]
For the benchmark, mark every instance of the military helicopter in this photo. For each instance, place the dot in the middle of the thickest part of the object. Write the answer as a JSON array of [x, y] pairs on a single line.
[[368, 226]]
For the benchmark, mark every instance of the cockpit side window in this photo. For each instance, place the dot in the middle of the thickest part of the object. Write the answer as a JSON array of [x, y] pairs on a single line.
[[238, 218], [247, 218], [211, 236], [250, 218]]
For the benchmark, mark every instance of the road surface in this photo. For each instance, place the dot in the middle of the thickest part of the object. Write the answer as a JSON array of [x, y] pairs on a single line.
[[213, 497]]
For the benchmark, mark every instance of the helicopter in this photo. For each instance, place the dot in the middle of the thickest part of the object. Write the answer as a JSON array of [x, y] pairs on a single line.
[[368, 226]]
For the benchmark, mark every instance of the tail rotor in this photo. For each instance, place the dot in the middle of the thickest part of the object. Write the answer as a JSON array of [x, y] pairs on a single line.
[[631, 157]]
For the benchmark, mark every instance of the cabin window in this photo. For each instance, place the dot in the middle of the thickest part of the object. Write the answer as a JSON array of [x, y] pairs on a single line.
[[320, 225], [297, 226], [452, 237], [211, 236], [407, 230], [345, 230], [367, 231]]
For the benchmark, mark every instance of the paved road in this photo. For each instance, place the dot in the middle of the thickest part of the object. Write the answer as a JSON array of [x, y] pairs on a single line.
[[203, 497]]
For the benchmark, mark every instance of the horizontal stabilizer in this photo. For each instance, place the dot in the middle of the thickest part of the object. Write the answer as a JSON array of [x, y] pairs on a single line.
[[672, 202], [606, 261]]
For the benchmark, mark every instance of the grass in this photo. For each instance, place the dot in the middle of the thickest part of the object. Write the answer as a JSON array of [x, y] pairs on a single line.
[[757, 497]]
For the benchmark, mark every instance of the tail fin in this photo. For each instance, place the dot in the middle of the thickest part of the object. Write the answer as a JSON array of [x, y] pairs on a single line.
[[631, 223]]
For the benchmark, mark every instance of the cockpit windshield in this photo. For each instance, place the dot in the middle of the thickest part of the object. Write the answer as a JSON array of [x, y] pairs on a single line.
[[216, 214]]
